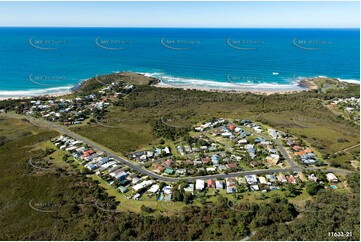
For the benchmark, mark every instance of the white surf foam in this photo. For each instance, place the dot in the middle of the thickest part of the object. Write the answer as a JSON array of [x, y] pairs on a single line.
[[167, 80], [34, 92]]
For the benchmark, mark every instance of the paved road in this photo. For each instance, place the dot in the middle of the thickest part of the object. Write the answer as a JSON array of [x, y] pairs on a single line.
[[285, 154], [139, 167]]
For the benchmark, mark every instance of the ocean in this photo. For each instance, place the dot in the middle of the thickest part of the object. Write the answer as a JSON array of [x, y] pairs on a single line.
[[35, 61]]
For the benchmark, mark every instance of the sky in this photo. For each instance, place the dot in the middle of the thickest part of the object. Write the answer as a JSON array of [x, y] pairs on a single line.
[[182, 14]]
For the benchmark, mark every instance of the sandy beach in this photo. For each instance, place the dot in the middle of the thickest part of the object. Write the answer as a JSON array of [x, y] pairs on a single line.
[[237, 89], [31, 97]]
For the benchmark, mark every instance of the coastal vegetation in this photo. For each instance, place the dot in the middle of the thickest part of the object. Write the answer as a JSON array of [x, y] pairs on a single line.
[[137, 122], [58, 203], [48, 196]]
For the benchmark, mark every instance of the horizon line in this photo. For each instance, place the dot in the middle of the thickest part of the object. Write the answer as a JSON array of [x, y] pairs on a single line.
[[172, 27]]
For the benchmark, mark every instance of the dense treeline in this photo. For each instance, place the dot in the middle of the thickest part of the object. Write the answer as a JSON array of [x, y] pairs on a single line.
[[75, 200], [330, 212]]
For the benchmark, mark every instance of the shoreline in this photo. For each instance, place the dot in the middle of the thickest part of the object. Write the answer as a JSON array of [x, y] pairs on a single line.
[[304, 84], [42, 95], [240, 89]]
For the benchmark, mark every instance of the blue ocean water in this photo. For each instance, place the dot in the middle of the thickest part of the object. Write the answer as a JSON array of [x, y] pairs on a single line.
[[51, 60]]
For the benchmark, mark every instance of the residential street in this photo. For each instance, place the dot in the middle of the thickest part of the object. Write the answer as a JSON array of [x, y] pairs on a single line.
[[141, 169]]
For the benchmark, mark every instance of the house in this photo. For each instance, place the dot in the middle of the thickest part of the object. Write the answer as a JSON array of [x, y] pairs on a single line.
[[199, 184], [242, 141], [271, 178], [166, 150], [197, 162], [251, 179], [231, 126], [215, 160], [210, 169], [291, 179], [231, 185], [273, 133], [296, 148], [312, 177], [222, 167], [226, 134], [122, 189], [219, 185], [169, 171], [231, 166], [135, 180], [181, 172], [168, 162], [206, 160], [272, 159], [211, 184], [254, 188], [262, 180], [142, 185], [189, 188], [331, 177], [188, 162], [281, 178], [154, 188], [158, 167]]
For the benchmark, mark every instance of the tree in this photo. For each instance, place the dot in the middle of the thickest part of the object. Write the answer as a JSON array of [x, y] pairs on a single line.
[[312, 188], [146, 209]]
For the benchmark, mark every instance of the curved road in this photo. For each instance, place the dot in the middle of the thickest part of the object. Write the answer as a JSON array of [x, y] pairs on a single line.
[[139, 167]]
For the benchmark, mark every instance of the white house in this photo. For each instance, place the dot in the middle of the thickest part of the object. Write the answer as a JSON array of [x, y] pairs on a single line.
[[273, 133], [251, 179], [331, 177], [199, 184]]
